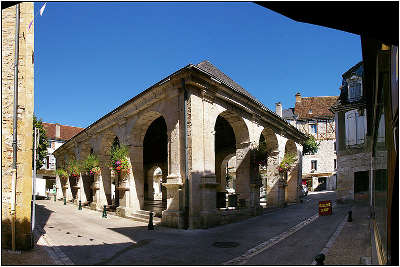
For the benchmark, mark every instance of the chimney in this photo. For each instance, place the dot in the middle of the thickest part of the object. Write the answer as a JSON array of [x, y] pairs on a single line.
[[57, 130], [298, 97], [278, 109]]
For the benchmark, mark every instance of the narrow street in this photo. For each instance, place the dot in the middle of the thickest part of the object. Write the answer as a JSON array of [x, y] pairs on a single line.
[[280, 237]]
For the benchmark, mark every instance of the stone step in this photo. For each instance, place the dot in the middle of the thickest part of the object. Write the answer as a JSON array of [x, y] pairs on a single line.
[[143, 216]]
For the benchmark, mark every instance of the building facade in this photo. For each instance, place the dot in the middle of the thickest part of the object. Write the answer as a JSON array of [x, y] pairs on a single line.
[[197, 119], [56, 135], [16, 183], [353, 150], [311, 116]]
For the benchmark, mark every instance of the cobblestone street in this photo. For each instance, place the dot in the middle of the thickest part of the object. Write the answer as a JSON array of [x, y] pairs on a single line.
[[292, 235]]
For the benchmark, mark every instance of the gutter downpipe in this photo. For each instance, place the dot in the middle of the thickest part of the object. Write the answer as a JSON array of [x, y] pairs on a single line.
[[14, 143], [185, 98]]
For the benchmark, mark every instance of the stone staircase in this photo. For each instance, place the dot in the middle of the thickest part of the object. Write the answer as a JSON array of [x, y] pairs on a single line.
[[143, 216]]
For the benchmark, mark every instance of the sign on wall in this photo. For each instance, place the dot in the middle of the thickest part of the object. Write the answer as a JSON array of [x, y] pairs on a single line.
[[325, 208]]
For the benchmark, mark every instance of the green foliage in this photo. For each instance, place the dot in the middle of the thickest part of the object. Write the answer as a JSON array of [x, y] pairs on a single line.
[[261, 153], [89, 163], [118, 153], [311, 146], [119, 161], [73, 168], [62, 173], [287, 162], [42, 146]]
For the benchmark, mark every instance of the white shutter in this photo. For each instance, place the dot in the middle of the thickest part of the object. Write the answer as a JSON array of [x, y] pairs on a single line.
[[360, 120], [350, 122]]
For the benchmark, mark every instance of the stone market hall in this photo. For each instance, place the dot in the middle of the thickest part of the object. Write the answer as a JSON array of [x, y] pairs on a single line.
[[181, 133]]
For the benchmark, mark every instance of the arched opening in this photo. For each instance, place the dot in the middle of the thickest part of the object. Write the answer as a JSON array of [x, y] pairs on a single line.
[[114, 179], [268, 163], [291, 177], [226, 160], [87, 179], [155, 162]]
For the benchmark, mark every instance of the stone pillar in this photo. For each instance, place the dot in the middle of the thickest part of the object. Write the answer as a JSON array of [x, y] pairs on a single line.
[[68, 190], [81, 192], [243, 171], [136, 178], [105, 177], [272, 182], [59, 188], [124, 196], [173, 215]]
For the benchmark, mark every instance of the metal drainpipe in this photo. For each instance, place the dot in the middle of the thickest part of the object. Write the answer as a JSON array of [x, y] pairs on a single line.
[[185, 97], [14, 143]]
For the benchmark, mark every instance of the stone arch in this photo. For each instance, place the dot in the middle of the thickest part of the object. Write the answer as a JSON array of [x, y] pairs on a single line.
[[269, 174], [292, 179], [224, 163], [241, 150], [136, 139]]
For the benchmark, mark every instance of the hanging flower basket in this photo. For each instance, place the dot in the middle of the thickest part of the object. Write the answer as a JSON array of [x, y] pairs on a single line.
[[287, 163], [94, 171]]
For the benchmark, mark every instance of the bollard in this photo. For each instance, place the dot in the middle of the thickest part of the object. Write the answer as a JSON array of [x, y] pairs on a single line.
[[80, 205], [54, 198], [65, 201], [320, 259], [350, 218], [150, 226], [104, 212]]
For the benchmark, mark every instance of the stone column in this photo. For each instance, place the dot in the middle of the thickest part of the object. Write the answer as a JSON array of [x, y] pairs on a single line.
[[136, 178], [81, 192], [59, 193], [105, 178], [173, 215], [272, 182], [243, 171], [124, 195]]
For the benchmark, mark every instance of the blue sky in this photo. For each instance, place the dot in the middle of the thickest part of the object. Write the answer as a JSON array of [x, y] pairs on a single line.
[[92, 57]]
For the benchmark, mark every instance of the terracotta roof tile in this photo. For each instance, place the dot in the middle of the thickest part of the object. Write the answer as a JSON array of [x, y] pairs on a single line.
[[66, 132], [319, 107]]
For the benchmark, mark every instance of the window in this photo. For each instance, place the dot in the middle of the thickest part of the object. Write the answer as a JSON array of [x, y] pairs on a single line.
[[355, 127], [48, 143], [334, 146], [313, 165], [334, 164], [47, 162], [313, 128], [355, 91]]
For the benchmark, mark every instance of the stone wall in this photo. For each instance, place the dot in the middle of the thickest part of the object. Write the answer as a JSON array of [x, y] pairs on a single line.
[[348, 164], [24, 123]]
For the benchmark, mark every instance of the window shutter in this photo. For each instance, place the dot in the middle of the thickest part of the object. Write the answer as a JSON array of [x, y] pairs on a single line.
[[360, 129], [351, 125]]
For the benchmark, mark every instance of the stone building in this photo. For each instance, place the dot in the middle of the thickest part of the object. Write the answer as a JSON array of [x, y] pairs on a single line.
[[196, 120], [311, 115], [21, 193], [353, 150], [56, 135]]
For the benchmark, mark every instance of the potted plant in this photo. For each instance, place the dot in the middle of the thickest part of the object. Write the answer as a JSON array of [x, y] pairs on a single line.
[[73, 169], [285, 166], [63, 174], [120, 164], [91, 167]]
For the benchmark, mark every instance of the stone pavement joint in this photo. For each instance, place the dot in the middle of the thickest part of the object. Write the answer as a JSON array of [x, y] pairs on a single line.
[[332, 239], [269, 243], [241, 260]]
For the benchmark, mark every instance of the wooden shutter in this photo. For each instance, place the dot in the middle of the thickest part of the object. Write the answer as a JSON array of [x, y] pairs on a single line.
[[350, 122]]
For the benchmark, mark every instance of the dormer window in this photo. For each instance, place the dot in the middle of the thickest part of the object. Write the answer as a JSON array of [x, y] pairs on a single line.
[[355, 89]]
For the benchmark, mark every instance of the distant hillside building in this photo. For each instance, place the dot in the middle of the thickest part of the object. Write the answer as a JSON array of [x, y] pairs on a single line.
[[311, 115]]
